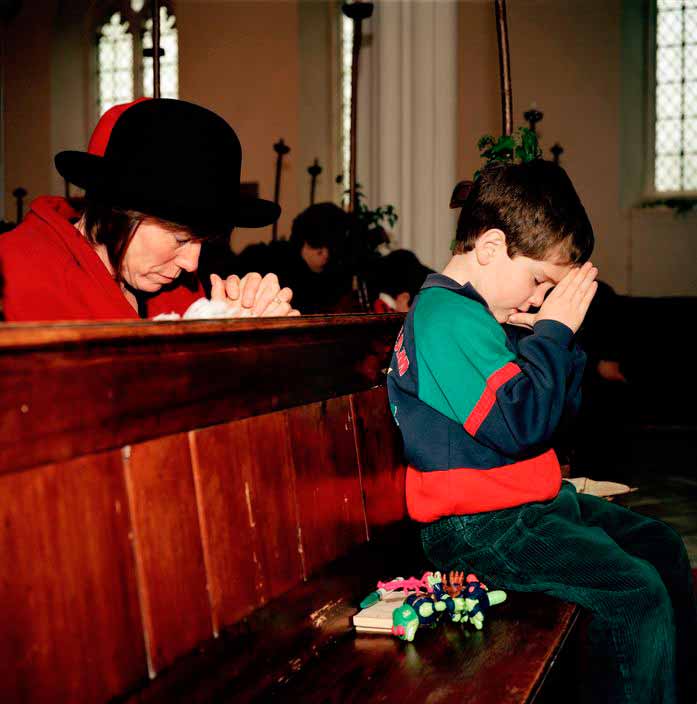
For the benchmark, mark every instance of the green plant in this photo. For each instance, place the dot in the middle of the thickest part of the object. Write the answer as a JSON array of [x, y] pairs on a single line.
[[520, 146], [372, 218]]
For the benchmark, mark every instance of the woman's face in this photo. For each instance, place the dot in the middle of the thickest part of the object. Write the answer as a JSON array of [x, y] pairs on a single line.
[[156, 256]]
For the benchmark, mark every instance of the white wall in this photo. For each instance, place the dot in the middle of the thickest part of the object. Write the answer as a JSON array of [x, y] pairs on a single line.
[[567, 57], [241, 60], [27, 110]]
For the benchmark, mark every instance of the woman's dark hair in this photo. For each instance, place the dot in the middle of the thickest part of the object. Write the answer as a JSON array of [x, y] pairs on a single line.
[[115, 228], [320, 225], [534, 204]]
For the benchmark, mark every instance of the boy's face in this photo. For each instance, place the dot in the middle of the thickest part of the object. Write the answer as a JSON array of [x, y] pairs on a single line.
[[518, 284]]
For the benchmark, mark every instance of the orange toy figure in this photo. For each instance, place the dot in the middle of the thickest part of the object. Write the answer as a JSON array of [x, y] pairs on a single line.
[[453, 584]]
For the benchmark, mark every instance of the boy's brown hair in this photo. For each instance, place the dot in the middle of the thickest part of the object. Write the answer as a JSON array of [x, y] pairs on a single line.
[[534, 204]]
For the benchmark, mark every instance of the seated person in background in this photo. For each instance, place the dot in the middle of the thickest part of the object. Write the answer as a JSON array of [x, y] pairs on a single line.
[[478, 409], [161, 176], [597, 445], [601, 334], [394, 281], [307, 262]]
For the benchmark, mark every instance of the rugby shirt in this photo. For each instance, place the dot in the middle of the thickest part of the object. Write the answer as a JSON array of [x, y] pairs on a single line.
[[478, 403]]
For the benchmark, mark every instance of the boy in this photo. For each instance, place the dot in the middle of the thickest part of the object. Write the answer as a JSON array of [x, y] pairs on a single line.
[[478, 402]]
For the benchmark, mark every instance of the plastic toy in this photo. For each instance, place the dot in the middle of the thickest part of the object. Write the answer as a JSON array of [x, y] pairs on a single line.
[[411, 584], [460, 600], [478, 599]]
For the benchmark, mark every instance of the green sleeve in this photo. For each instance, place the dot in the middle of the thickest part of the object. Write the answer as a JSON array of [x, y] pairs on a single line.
[[459, 345]]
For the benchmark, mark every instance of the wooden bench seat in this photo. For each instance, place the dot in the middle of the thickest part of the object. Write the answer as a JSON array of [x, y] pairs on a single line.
[[506, 663], [302, 647], [191, 512]]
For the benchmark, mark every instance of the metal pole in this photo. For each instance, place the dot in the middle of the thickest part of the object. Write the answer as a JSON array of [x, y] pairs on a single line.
[[2, 123], [504, 67], [533, 116], [357, 36], [357, 12], [281, 149], [155, 48], [315, 170], [20, 194], [557, 150]]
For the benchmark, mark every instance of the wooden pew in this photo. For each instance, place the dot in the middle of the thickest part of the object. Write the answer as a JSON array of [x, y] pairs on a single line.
[[191, 512]]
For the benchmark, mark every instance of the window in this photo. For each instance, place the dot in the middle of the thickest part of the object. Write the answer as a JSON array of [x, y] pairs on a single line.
[[169, 41], [115, 60], [123, 72], [675, 133]]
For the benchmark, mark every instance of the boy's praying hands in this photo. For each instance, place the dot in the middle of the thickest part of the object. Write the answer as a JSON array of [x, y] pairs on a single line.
[[567, 303]]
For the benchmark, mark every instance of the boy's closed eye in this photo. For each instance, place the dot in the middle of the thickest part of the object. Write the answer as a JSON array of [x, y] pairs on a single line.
[[535, 309]]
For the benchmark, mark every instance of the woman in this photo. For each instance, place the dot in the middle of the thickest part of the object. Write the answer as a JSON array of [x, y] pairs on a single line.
[[160, 177]]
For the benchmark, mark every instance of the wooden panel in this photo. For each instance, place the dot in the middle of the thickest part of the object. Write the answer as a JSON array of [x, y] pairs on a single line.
[[330, 508], [72, 390], [169, 557], [274, 504], [382, 458], [69, 614], [246, 488]]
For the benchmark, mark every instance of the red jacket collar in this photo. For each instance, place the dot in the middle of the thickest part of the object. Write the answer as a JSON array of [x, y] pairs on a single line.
[[57, 214]]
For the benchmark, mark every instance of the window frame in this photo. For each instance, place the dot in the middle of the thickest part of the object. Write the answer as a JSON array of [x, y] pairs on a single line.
[[136, 23], [650, 193]]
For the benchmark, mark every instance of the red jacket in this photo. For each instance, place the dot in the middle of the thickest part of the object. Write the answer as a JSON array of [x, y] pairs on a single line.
[[51, 272]]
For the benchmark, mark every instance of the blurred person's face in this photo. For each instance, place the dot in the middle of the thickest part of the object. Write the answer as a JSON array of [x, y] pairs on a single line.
[[402, 302], [316, 258]]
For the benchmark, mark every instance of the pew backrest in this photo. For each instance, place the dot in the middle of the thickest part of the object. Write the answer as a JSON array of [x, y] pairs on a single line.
[[161, 481]]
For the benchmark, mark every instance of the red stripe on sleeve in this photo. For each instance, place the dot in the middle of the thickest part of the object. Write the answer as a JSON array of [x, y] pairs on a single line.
[[488, 397]]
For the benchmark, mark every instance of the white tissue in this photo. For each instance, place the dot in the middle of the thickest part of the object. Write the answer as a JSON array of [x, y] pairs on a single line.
[[203, 308]]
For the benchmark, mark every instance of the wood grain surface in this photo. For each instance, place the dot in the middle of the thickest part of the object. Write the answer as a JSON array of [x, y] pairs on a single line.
[[246, 490], [380, 451], [67, 391], [330, 507], [302, 648], [169, 554], [163, 484], [505, 663], [70, 628]]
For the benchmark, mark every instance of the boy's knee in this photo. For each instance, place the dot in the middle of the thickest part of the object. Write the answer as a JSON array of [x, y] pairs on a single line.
[[669, 543], [651, 592], [674, 542]]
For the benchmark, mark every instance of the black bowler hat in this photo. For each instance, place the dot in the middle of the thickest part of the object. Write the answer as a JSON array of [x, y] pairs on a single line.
[[174, 160]]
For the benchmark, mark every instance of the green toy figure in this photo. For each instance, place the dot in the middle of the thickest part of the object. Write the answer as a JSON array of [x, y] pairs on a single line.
[[478, 599], [462, 600]]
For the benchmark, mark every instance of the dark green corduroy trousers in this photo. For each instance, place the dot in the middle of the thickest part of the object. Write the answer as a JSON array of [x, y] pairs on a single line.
[[631, 572]]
